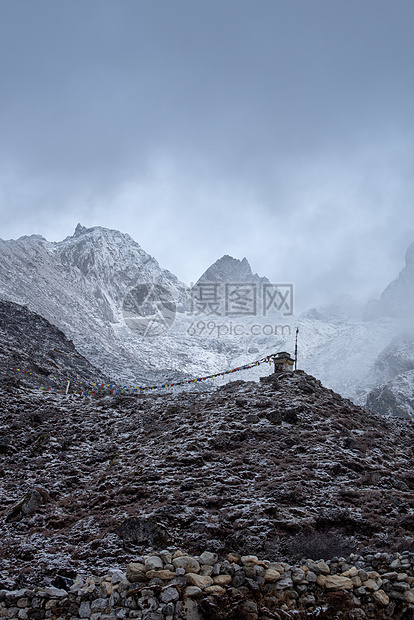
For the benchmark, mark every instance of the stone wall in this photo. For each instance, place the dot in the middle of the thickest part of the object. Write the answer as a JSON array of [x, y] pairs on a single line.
[[174, 586]]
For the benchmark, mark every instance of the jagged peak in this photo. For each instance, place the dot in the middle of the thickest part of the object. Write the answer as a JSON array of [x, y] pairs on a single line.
[[231, 269], [94, 232], [79, 230]]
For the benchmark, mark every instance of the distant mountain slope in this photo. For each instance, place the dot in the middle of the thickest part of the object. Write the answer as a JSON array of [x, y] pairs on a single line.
[[397, 300], [29, 342]]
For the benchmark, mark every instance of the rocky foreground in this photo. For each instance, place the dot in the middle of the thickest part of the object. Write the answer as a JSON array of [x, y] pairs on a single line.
[[281, 470]]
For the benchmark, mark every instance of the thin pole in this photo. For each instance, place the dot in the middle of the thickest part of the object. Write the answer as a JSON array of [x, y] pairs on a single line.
[[296, 348]]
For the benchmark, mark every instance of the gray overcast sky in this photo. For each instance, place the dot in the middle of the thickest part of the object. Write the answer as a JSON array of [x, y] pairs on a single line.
[[279, 130]]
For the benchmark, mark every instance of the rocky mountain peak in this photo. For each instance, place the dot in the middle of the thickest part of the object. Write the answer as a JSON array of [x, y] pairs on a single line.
[[79, 230], [229, 269], [79, 284]]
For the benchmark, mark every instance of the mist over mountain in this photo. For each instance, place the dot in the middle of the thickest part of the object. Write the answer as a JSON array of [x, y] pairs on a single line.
[[398, 298]]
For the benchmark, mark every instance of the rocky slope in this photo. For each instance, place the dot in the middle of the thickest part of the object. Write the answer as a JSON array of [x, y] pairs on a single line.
[[281, 468], [29, 342], [392, 372]]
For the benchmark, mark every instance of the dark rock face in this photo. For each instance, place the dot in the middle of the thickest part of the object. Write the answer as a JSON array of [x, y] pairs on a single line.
[[397, 300], [250, 468], [29, 504], [383, 401], [395, 366], [31, 343], [143, 531]]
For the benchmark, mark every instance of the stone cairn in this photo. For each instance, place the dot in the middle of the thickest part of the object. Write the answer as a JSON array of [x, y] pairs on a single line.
[[171, 585]]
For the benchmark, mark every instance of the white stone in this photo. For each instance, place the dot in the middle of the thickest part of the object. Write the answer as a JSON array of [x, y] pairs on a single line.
[[201, 581], [322, 567], [153, 563], [56, 592], [381, 598], [271, 575], [222, 580], [249, 560], [208, 558], [352, 572], [336, 582], [371, 584], [190, 565]]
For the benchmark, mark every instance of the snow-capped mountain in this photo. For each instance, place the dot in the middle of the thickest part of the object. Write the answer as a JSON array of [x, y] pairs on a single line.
[[107, 294], [82, 284], [79, 285], [228, 269]]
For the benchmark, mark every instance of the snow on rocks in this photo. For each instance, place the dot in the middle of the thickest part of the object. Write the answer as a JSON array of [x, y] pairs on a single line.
[[121, 482], [115, 478]]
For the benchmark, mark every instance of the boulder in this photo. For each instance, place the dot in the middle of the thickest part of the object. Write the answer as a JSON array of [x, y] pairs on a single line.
[[337, 582], [136, 572], [208, 558], [153, 563], [271, 575], [381, 598], [190, 565], [143, 531], [201, 581], [214, 590], [222, 580], [249, 560], [163, 574]]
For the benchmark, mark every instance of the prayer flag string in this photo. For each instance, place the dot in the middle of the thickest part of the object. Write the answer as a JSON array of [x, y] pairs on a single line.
[[112, 388]]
